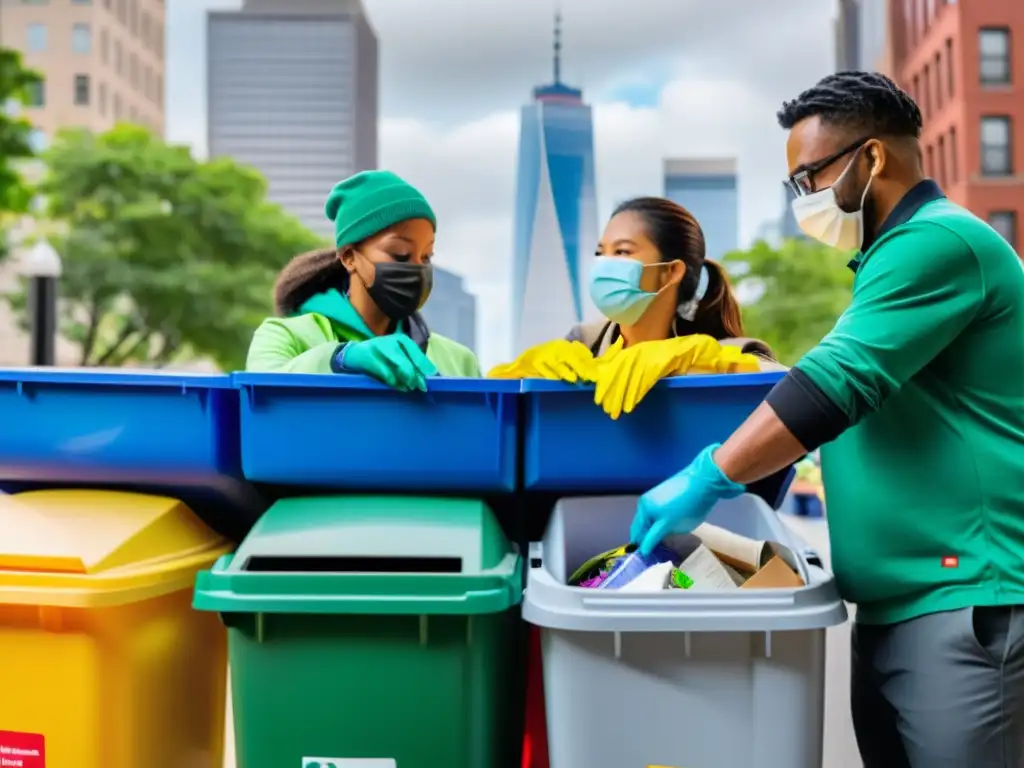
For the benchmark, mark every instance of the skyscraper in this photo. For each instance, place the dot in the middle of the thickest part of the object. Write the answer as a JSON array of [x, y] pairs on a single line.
[[451, 309], [788, 224], [847, 31], [556, 211], [293, 91], [707, 189]]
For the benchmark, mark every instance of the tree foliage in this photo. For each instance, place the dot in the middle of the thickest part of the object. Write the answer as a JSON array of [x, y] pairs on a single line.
[[165, 257], [801, 288], [15, 135]]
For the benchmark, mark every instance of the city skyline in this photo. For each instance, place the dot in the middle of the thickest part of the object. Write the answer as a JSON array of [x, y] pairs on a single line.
[[452, 129]]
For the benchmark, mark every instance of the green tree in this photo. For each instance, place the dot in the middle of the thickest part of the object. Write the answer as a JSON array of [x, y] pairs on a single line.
[[16, 81], [801, 287], [165, 257]]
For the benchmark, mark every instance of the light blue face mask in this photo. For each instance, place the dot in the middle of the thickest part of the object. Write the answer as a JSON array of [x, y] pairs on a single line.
[[615, 290]]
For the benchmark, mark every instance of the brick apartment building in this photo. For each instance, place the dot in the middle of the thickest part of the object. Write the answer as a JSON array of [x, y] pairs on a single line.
[[957, 60]]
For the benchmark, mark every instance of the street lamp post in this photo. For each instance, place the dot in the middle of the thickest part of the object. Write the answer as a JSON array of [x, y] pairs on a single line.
[[41, 264]]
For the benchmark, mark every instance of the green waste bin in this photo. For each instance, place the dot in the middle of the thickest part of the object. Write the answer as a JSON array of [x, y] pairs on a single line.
[[372, 631]]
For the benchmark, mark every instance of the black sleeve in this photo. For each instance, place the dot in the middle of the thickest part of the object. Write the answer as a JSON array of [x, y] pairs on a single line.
[[806, 411]]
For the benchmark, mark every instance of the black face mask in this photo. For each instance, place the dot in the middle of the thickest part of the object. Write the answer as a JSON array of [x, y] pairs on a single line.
[[400, 289]]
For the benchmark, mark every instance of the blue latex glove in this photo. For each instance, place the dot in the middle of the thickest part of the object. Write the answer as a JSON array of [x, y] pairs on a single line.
[[682, 502], [395, 360]]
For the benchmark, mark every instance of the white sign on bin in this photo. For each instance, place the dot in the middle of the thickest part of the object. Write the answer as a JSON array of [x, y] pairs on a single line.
[[349, 762]]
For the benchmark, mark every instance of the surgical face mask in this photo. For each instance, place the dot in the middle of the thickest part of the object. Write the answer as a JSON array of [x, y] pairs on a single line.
[[399, 289], [615, 288], [820, 217]]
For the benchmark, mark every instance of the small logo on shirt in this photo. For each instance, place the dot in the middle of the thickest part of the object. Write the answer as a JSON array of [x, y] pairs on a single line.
[[951, 561]]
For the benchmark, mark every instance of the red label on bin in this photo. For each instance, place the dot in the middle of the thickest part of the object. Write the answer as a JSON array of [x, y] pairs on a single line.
[[22, 750]]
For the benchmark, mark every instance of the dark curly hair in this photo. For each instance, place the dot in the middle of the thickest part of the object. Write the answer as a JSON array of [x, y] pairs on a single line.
[[305, 276], [867, 103]]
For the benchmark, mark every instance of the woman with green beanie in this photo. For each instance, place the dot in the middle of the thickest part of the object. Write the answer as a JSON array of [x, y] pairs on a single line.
[[354, 308]]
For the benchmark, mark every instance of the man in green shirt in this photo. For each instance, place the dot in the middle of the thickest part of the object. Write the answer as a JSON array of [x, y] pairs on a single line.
[[917, 400]]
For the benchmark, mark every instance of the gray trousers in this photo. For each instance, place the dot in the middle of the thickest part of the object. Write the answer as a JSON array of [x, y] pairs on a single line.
[[941, 691]]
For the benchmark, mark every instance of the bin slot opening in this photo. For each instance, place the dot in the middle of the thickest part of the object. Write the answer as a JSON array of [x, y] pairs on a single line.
[[343, 564]]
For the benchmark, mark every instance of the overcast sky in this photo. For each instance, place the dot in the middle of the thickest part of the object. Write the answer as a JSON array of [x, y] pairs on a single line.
[[666, 78]]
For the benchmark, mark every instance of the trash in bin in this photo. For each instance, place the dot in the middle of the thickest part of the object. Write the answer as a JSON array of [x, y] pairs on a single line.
[[373, 627], [709, 558], [745, 666], [104, 663]]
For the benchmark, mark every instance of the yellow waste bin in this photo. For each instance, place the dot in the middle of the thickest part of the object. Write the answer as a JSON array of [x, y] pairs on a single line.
[[103, 662]]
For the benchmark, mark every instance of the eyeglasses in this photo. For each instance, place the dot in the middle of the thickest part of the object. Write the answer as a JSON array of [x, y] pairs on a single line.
[[802, 182]]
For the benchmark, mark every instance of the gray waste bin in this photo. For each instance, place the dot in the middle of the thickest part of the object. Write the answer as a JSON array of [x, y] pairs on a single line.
[[680, 679]]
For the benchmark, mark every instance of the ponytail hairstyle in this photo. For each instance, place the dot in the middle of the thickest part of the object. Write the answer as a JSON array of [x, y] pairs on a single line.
[[305, 276], [677, 236]]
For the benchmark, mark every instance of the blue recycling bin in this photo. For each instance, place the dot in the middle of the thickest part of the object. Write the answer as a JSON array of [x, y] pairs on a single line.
[[571, 446], [161, 432], [459, 436]]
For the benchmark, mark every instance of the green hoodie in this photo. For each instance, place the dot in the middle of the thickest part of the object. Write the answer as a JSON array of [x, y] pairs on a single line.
[[306, 342]]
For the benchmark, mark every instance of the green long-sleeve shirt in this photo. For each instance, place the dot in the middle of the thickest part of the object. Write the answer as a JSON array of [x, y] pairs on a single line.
[[926, 489]]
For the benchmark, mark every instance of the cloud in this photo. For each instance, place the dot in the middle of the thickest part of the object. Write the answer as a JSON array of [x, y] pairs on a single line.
[[687, 78]]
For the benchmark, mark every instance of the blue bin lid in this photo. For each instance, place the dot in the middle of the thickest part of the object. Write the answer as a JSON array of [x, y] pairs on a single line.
[[353, 381], [118, 377], [694, 381]]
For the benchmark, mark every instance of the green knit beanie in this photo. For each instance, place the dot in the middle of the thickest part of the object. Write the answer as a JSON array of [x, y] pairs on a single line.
[[364, 204]]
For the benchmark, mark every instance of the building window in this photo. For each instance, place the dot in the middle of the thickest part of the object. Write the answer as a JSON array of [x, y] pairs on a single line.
[[101, 98], [994, 50], [939, 94], [37, 94], [81, 2], [1005, 223], [133, 16], [954, 162], [916, 91], [81, 38], [82, 90], [122, 12], [36, 37], [941, 171], [929, 166], [996, 157], [133, 71], [34, 2], [104, 46], [145, 29], [158, 39], [117, 106], [950, 68], [118, 57], [926, 91]]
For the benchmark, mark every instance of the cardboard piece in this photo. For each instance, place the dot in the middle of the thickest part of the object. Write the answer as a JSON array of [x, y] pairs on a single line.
[[777, 573], [743, 554]]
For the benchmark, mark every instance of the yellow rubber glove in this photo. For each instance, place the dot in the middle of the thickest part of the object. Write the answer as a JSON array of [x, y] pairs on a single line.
[[624, 378], [557, 360]]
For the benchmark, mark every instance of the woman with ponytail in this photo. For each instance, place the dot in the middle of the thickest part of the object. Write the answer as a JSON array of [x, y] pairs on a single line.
[[355, 308], [652, 283]]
